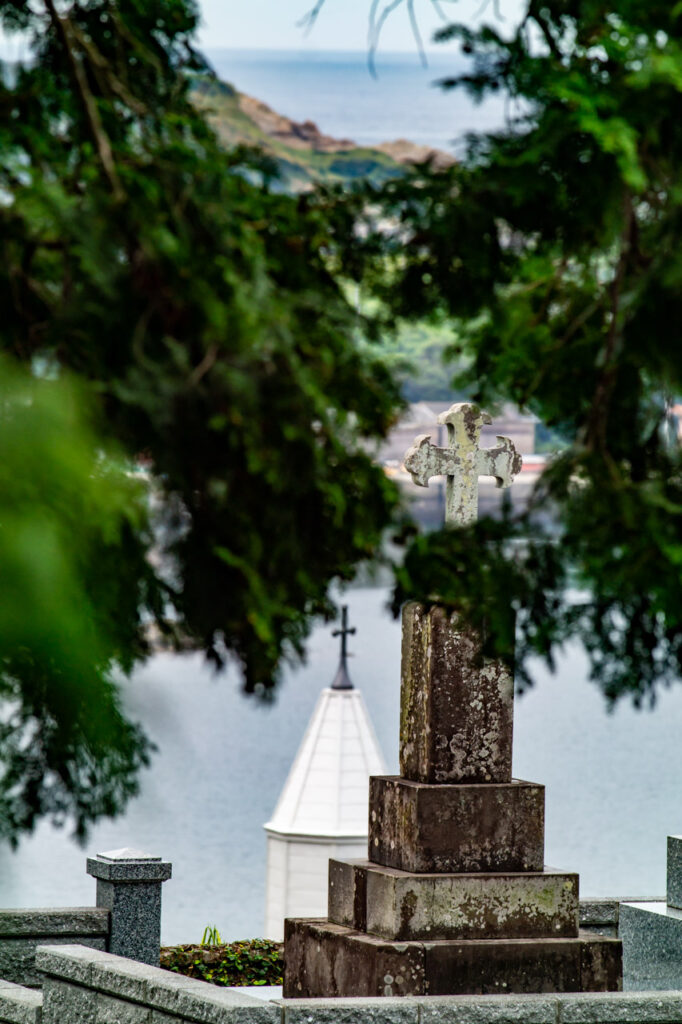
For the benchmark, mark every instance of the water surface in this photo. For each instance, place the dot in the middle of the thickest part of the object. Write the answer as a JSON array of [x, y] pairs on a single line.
[[614, 782], [338, 93]]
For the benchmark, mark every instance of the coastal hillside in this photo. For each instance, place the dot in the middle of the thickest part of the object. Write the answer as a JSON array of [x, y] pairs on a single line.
[[305, 155]]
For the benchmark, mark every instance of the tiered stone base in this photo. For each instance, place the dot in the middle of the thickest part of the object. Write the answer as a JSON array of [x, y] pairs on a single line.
[[401, 906], [454, 900], [324, 959], [454, 897], [419, 827]]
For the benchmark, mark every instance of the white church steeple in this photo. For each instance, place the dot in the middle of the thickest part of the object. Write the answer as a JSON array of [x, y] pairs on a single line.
[[322, 809]]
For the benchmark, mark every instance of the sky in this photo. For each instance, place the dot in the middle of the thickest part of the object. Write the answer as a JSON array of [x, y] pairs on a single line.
[[341, 24]]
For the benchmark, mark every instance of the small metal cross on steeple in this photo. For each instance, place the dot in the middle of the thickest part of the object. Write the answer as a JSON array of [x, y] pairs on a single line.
[[462, 462], [342, 679]]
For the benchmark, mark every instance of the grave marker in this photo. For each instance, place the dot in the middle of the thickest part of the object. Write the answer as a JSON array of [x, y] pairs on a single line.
[[453, 897]]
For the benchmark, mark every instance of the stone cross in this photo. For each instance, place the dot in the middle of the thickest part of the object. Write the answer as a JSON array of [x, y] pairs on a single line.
[[462, 462]]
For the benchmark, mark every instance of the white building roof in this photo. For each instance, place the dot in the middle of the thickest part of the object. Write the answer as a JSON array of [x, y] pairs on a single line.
[[327, 791]]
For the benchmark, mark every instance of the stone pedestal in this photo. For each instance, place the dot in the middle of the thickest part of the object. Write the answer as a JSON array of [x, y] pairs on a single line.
[[419, 827], [129, 887], [448, 732], [454, 897], [403, 906], [328, 959]]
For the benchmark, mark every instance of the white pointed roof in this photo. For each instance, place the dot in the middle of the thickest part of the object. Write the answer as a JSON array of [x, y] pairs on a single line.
[[327, 792]]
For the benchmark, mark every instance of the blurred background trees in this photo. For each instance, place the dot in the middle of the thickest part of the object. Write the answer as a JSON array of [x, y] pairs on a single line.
[[553, 250], [208, 318], [205, 316]]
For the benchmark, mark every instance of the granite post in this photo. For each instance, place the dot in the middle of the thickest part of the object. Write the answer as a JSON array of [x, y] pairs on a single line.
[[129, 887], [651, 932], [454, 897]]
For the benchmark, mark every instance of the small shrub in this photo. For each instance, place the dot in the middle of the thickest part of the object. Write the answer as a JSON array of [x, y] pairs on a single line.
[[247, 962]]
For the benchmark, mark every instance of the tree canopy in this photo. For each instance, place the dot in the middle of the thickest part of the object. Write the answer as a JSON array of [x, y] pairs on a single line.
[[207, 317], [205, 314], [554, 248]]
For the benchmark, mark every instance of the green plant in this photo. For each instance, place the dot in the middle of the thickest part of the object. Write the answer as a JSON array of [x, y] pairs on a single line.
[[247, 962], [211, 936], [554, 249]]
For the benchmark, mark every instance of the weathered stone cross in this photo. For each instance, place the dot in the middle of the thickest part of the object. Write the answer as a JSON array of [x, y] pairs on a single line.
[[462, 462]]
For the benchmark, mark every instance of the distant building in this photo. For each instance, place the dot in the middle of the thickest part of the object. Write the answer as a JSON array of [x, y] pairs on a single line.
[[421, 418], [427, 504], [323, 807]]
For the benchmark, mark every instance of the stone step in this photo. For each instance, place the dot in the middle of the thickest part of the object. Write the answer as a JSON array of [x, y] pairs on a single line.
[[325, 959], [651, 932], [456, 708], [400, 905], [425, 828]]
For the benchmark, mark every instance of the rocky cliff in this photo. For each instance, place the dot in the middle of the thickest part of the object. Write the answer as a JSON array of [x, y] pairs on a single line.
[[304, 153]]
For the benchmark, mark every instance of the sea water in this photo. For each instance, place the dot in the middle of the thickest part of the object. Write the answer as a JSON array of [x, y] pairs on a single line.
[[337, 91], [613, 781]]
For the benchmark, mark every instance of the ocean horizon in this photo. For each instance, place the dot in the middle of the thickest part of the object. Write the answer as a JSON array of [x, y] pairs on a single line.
[[336, 90]]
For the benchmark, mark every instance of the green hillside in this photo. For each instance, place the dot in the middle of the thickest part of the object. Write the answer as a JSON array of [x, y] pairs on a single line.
[[302, 162], [417, 353]]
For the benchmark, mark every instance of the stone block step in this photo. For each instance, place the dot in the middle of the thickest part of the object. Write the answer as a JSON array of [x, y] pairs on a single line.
[[456, 708], [323, 959], [401, 905], [651, 932], [425, 828]]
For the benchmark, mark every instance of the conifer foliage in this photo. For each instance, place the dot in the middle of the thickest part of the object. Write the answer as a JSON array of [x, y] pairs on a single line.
[[555, 247], [200, 307]]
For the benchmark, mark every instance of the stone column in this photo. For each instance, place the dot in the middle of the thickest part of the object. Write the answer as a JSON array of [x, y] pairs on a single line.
[[456, 707], [129, 887]]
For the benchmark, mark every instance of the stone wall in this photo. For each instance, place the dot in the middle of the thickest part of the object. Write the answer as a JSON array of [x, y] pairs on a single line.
[[20, 1005], [84, 986], [126, 920], [21, 931]]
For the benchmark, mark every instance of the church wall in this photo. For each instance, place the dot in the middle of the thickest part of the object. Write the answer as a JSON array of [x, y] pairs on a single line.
[[297, 876]]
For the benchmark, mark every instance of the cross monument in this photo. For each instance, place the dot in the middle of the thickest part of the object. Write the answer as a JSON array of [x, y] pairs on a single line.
[[454, 896], [462, 462]]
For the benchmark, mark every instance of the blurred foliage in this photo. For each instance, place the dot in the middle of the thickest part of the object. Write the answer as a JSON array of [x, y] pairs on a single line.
[[202, 309], [555, 247], [418, 353], [248, 962], [74, 577]]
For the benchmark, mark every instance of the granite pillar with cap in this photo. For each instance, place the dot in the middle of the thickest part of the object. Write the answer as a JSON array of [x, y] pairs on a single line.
[[454, 896], [129, 887]]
